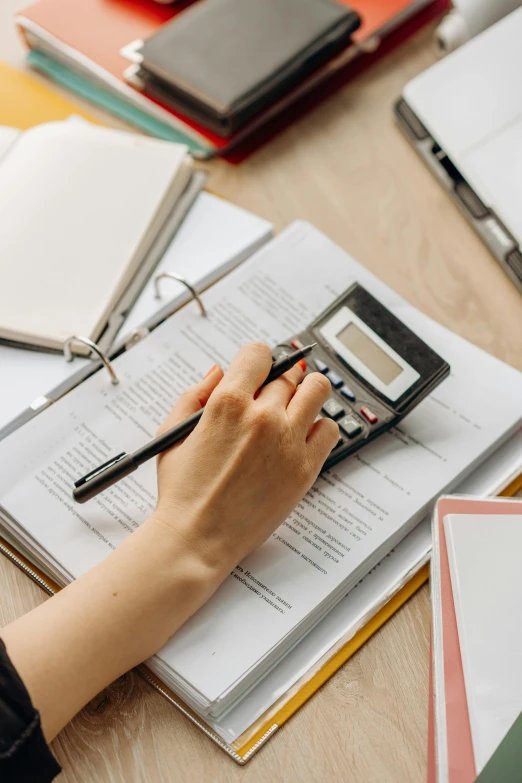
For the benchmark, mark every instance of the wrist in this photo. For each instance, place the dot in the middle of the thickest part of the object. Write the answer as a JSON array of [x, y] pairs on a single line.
[[187, 545]]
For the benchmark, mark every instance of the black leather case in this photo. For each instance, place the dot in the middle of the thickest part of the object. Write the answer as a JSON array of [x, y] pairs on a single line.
[[222, 62]]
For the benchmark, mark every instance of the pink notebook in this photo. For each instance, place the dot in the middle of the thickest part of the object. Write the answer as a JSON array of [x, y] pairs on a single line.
[[460, 760]]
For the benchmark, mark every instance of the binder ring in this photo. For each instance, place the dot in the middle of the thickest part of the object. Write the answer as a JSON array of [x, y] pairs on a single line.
[[69, 356], [180, 279]]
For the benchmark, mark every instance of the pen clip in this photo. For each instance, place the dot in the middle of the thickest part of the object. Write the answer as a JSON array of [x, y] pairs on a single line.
[[88, 476]]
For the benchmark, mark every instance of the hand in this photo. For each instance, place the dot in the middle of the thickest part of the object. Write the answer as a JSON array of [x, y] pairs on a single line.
[[221, 493], [251, 458]]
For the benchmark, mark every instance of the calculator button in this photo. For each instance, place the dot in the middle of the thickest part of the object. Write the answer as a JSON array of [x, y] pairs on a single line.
[[369, 415], [333, 408], [350, 426], [297, 344], [348, 393], [334, 379], [320, 366]]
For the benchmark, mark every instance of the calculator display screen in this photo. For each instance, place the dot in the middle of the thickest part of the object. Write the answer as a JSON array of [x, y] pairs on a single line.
[[365, 352], [369, 353]]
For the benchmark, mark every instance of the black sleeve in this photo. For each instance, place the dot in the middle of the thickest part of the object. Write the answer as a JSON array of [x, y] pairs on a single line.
[[24, 754]]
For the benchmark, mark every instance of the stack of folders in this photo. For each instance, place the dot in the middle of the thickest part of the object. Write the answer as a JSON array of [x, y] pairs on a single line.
[[223, 62], [290, 614], [212, 111], [75, 263], [476, 724]]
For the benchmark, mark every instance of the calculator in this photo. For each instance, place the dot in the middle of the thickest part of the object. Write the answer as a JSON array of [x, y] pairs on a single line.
[[379, 369]]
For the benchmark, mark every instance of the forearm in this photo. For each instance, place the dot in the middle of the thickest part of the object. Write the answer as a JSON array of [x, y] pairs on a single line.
[[108, 621]]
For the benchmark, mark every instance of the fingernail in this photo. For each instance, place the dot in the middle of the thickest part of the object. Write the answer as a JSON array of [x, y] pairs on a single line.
[[214, 367], [302, 364]]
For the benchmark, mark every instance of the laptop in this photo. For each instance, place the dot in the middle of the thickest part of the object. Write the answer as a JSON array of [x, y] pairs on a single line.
[[464, 117]]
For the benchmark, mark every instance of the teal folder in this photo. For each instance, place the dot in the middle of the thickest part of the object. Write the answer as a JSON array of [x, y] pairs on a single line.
[[112, 103]]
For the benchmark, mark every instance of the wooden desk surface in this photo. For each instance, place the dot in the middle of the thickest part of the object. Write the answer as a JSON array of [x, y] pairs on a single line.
[[347, 169]]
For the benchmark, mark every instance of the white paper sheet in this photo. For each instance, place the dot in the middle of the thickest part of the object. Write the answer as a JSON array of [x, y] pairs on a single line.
[[485, 553]]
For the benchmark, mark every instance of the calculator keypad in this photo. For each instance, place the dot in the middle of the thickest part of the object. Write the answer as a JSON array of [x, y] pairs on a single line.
[[334, 379], [369, 415], [333, 408], [347, 393], [357, 415], [354, 416], [350, 426], [319, 365]]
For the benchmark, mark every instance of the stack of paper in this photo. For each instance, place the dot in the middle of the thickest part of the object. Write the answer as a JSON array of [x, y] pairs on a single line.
[[268, 297], [477, 640]]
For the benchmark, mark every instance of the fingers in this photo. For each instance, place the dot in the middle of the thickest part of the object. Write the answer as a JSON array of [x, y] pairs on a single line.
[[249, 368], [193, 399], [280, 392], [306, 405], [322, 438]]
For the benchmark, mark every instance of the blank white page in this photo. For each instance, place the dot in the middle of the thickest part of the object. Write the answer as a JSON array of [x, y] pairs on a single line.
[[485, 557], [76, 202], [8, 136]]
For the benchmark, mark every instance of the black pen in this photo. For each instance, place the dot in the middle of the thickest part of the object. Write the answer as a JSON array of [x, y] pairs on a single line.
[[123, 464]]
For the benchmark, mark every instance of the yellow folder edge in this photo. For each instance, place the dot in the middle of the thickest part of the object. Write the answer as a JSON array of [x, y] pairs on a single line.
[[512, 488], [339, 658], [25, 101]]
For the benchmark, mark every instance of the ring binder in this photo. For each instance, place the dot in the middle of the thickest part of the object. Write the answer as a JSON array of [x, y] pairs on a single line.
[[180, 279], [69, 356]]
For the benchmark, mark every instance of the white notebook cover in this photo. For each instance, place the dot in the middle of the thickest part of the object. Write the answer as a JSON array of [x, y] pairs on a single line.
[[77, 203], [485, 556]]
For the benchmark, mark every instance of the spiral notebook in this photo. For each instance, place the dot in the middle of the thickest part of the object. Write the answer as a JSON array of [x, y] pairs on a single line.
[[239, 700]]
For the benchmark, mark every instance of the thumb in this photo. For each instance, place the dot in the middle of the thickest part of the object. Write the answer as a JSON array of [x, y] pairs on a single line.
[[193, 399]]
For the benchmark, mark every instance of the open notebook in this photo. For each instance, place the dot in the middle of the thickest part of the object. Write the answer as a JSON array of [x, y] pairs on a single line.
[[67, 261], [369, 503]]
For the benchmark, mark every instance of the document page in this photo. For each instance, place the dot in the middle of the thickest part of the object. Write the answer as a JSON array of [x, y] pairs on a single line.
[[352, 516]]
